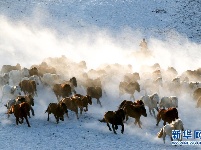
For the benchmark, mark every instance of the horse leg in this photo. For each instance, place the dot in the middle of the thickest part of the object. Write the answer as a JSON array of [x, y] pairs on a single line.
[[28, 113], [81, 109], [158, 120], [138, 120], [109, 126], [36, 93], [32, 111], [126, 117], [150, 111], [48, 118], [58, 97], [27, 121], [22, 120], [122, 129], [67, 114], [164, 135], [114, 129], [57, 118], [132, 96], [164, 123], [98, 102], [77, 114], [86, 108], [17, 120], [154, 113], [135, 121]]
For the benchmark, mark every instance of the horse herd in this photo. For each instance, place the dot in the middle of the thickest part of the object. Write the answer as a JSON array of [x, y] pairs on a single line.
[[69, 99]]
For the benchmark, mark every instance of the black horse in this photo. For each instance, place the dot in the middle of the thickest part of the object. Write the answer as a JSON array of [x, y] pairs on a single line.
[[114, 118]]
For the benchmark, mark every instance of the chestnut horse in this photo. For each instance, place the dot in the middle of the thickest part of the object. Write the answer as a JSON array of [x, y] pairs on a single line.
[[134, 110], [115, 118], [127, 102], [167, 115]]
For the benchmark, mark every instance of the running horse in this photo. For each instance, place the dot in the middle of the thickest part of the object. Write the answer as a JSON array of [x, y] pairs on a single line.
[[129, 88], [115, 118], [134, 110], [167, 115], [167, 129]]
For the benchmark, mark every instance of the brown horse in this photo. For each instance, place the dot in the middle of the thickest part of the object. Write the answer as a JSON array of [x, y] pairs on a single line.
[[167, 115], [134, 111], [127, 102], [129, 88], [20, 111], [58, 110], [82, 101], [115, 118], [71, 104]]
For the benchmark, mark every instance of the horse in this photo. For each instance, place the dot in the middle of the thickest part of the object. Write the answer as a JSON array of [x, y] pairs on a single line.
[[83, 101], [115, 118], [127, 102], [26, 98], [58, 110], [73, 83], [71, 105], [167, 102], [196, 94], [20, 111], [167, 129], [167, 115], [151, 102], [95, 92], [20, 99], [129, 87], [10, 91], [134, 111]]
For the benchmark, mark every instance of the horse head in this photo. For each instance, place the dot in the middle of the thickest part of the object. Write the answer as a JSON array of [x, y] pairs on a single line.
[[89, 99], [63, 107], [178, 124], [16, 90], [31, 100], [143, 111], [137, 86], [73, 81], [155, 97]]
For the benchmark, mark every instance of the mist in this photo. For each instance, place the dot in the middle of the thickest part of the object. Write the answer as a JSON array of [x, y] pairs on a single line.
[[28, 45]]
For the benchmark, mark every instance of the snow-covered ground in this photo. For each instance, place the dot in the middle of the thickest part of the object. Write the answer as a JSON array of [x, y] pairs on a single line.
[[98, 32]]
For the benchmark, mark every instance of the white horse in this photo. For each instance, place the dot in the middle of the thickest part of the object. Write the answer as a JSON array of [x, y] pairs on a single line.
[[151, 102], [10, 91], [167, 102], [167, 129]]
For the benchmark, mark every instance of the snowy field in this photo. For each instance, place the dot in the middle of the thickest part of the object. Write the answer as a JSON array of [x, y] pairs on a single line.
[[97, 32]]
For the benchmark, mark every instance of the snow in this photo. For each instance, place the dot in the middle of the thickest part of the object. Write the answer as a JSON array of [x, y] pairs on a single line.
[[97, 31]]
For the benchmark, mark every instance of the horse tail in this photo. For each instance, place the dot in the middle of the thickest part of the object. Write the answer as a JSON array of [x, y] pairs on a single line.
[[160, 133], [103, 120], [47, 110]]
